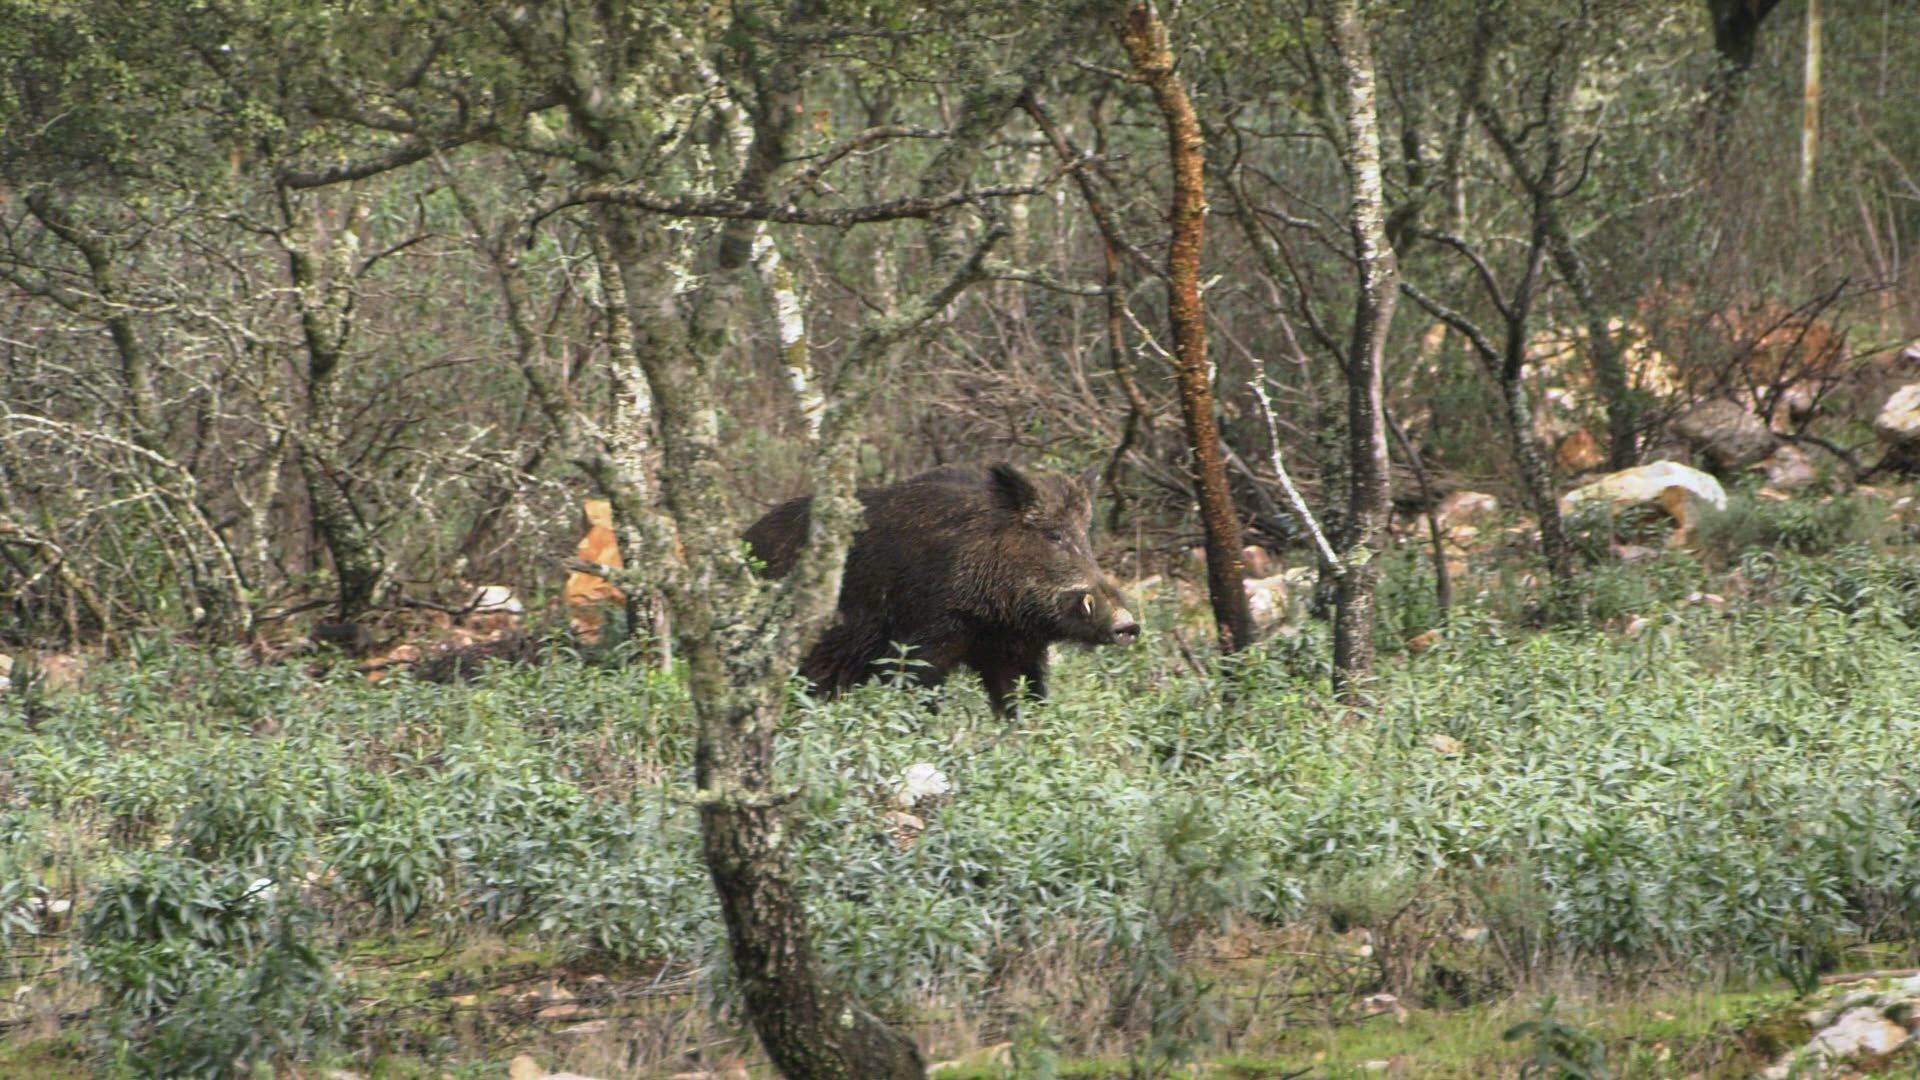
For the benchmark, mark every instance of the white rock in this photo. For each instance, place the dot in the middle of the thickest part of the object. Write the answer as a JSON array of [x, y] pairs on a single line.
[[1267, 597], [495, 599], [1466, 507], [922, 781], [1859, 1031], [1899, 419], [1680, 490]]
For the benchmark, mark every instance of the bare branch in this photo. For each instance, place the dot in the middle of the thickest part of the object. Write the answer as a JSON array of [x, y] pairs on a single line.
[[999, 271], [1102, 216], [1481, 345], [1480, 268], [1295, 501], [638, 197], [871, 137]]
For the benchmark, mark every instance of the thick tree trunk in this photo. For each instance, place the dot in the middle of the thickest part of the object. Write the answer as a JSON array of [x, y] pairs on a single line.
[[320, 267], [356, 560], [1736, 37], [1368, 483], [808, 1028], [1147, 46], [738, 636], [1736, 29]]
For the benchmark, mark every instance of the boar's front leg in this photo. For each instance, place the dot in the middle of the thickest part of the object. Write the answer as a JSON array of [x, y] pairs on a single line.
[[1002, 668]]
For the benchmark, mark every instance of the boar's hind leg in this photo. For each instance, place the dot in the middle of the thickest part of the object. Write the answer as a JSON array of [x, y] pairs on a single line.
[[842, 657]]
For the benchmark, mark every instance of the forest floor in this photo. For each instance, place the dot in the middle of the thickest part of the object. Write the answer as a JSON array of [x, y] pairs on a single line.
[[488, 1011]]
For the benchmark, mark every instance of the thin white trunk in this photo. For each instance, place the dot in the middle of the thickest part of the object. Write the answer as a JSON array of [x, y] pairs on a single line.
[[1810, 112], [790, 325]]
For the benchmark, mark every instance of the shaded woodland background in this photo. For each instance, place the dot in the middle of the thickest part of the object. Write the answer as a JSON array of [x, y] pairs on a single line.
[[280, 327]]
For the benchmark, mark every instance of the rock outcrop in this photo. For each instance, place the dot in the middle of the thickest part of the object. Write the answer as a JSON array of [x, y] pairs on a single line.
[[1683, 492], [1726, 435], [1898, 424]]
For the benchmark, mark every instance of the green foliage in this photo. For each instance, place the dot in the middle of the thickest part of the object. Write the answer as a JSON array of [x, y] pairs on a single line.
[[1800, 526], [1595, 526], [1711, 794], [1561, 1051], [206, 970]]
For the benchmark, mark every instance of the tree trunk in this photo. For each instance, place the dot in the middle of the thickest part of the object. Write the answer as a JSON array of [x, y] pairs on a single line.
[[1736, 29], [356, 561], [1736, 37], [1810, 101], [1368, 482], [677, 301], [1145, 38], [218, 587], [808, 1028], [320, 267], [1537, 478], [1442, 577], [1603, 352]]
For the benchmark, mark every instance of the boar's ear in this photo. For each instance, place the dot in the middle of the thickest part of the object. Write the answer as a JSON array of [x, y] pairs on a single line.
[[1090, 480], [1012, 488]]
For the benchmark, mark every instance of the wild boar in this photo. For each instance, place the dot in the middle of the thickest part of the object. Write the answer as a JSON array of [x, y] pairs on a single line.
[[972, 566]]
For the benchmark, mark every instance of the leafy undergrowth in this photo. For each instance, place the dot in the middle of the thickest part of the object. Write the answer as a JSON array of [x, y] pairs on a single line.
[[209, 867]]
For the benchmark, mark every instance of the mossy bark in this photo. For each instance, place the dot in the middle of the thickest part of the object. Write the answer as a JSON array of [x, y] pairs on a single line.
[[1368, 486]]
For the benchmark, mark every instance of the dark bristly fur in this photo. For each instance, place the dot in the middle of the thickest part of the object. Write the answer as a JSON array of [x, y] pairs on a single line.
[[971, 566]]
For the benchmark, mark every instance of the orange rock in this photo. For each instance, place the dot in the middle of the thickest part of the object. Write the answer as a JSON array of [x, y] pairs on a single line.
[[1578, 453], [586, 594]]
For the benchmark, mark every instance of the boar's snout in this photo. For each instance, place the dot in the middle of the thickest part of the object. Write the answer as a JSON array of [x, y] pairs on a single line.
[[1099, 616]]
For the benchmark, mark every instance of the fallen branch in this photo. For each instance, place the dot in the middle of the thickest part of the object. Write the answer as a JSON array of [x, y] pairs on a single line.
[[1295, 501]]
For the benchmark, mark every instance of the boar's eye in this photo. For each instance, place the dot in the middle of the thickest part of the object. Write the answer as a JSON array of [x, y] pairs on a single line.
[[1054, 536]]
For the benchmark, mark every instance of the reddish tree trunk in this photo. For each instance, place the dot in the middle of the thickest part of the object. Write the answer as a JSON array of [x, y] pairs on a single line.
[[1145, 38]]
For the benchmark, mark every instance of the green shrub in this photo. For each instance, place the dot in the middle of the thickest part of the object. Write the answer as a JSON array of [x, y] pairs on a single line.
[[1800, 526], [206, 971]]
